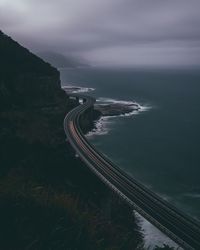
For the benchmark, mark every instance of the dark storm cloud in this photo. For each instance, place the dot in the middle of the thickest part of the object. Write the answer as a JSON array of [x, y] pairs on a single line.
[[129, 32]]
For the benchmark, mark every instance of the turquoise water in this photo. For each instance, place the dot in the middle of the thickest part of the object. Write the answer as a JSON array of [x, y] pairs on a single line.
[[161, 146]]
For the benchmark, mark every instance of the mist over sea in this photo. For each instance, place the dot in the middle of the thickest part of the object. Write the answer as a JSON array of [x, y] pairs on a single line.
[[161, 146]]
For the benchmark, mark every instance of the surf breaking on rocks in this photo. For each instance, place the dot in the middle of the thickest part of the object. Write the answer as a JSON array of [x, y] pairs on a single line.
[[103, 125]]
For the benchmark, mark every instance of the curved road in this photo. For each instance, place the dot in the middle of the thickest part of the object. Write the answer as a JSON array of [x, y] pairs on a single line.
[[172, 222]]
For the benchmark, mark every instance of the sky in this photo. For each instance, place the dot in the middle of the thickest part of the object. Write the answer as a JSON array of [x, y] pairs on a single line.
[[138, 33]]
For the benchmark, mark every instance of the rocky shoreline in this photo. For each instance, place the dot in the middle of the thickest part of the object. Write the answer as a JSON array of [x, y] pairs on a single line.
[[106, 109], [116, 109]]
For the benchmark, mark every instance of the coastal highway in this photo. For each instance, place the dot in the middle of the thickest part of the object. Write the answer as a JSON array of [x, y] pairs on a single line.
[[181, 228]]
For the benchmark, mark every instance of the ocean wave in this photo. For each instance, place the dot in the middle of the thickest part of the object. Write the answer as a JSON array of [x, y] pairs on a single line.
[[152, 236], [101, 127], [142, 107], [104, 124], [77, 89], [110, 100]]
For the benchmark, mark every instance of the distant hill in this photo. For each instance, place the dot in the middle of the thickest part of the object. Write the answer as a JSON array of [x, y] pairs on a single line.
[[61, 61], [25, 79]]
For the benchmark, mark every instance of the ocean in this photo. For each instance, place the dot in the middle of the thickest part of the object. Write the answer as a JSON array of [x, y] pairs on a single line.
[[160, 144]]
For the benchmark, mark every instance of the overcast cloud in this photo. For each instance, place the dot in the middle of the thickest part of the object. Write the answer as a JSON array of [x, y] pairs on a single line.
[[109, 32]]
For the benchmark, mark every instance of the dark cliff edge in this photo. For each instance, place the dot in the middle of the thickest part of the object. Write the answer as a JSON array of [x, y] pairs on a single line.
[[25, 79], [48, 198]]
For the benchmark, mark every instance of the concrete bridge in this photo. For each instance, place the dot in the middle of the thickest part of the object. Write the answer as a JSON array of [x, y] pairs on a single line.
[[178, 226]]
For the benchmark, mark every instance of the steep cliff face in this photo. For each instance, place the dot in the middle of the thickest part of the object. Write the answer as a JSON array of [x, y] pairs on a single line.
[[25, 79], [48, 199]]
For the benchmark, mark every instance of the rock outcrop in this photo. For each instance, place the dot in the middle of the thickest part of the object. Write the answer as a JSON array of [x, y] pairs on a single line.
[[114, 109]]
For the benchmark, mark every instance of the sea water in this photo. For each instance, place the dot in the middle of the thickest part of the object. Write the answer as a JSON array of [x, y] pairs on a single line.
[[160, 144]]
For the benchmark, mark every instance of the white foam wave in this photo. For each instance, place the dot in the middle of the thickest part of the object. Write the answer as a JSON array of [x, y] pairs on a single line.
[[77, 89], [84, 90], [110, 100], [152, 236], [142, 108], [101, 127]]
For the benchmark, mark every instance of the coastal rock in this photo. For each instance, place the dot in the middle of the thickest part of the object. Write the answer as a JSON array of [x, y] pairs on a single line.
[[114, 109]]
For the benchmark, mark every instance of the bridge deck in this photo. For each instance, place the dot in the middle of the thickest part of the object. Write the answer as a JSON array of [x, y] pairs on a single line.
[[178, 226]]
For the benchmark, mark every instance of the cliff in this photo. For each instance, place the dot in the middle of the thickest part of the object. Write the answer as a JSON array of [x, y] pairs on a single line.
[[48, 198], [25, 79]]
